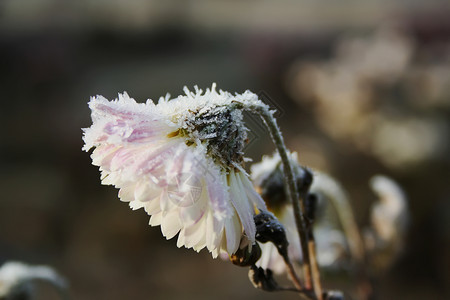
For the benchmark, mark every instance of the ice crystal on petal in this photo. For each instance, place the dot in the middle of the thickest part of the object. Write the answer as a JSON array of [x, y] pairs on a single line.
[[181, 160]]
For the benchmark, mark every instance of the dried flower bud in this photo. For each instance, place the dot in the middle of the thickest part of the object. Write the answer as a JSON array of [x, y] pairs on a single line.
[[269, 229], [262, 279], [268, 176], [245, 257], [311, 206]]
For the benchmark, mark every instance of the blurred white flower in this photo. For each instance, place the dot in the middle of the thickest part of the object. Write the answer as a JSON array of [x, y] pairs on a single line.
[[267, 176], [342, 233], [181, 160], [331, 244], [389, 216], [16, 279]]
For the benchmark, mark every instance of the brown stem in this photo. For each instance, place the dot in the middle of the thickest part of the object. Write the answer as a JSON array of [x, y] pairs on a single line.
[[315, 268], [294, 277]]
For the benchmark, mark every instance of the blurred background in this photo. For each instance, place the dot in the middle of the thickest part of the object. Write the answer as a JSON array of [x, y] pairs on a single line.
[[362, 88]]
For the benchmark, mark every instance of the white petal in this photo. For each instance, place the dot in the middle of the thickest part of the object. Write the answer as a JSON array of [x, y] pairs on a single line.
[[152, 207], [252, 195], [170, 224], [233, 234], [134, 205], [155, 219], [192, 235], [243, 207], [126, 193], [145, 190]]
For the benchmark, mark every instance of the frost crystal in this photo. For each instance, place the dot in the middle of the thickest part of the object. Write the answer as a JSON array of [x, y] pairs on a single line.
[[180, 160]]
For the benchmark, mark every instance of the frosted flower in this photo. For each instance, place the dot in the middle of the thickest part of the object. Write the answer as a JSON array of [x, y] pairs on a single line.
[[181, 160]]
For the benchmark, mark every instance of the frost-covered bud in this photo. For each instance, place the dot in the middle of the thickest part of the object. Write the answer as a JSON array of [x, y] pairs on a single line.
[[268, 176], [246, 256], [263, 279], [269, 229]]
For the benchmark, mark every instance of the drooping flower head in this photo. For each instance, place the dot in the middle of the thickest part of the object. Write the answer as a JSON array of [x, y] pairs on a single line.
[[182, 161]]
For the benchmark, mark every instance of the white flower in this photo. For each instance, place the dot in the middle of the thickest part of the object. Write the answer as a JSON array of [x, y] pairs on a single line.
[[16, 279], [389, 218], [181, 160], [268, 177]]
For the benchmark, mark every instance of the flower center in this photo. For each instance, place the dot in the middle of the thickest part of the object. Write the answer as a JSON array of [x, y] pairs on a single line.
[[221, 130]]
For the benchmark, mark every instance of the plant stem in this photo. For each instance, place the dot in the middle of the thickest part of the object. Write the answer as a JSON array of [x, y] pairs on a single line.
[[315, 267], [294, 277], [292, 190]]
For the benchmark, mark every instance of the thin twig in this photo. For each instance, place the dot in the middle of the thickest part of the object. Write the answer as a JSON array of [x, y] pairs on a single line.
[[291, 271]]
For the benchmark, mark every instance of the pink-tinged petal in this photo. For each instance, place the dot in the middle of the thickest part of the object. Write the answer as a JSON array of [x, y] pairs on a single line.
[[103, 154], [123, 122], [218, 191]]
